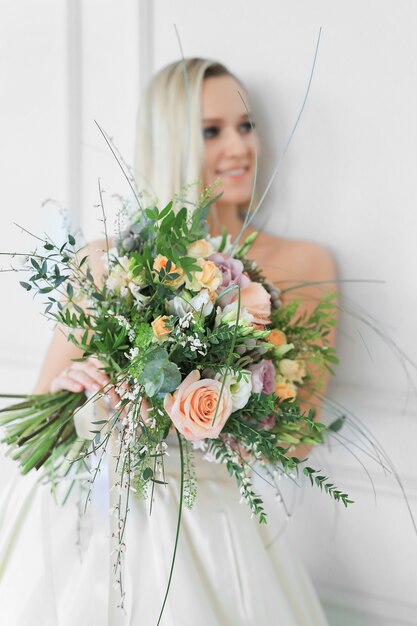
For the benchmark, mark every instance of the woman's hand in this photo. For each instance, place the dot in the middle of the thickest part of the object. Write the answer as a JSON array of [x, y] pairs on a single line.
[[86, 376]]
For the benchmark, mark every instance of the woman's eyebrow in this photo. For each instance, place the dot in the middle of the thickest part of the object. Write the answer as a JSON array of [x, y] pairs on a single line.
[[218, 120]]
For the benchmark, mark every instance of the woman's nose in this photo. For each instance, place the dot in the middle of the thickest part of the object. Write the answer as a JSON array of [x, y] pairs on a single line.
[[235, 144]]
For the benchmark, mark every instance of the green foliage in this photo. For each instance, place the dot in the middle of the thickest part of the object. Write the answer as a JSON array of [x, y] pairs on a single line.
[[321, 481], [158, 374], [337, 424], [308, 333], [258, 406], [237, 467], [143, 336]]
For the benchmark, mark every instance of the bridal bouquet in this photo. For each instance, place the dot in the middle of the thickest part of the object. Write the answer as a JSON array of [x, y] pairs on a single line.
[[195, 340]]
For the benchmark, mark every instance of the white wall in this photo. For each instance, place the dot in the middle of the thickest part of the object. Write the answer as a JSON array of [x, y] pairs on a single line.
[[33, 161], [65, 64], [347, 182]]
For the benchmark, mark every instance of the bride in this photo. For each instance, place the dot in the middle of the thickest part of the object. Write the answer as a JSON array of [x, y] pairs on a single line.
[[193, 125]]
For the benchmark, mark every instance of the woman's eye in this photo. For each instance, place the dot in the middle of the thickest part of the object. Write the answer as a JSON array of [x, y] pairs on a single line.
[[246, 127], [210, 132]]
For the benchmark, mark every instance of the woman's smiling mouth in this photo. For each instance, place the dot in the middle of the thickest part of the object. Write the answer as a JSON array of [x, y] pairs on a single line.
[[234, 172]]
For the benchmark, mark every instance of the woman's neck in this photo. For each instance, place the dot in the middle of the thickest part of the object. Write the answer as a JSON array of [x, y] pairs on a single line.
[[225, 216]]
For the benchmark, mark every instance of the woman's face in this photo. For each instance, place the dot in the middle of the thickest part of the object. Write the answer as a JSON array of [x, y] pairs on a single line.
[[228, 139]]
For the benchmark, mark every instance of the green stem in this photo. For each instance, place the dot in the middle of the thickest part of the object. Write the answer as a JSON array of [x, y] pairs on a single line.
[[178, 525], [11, 395], [230, 355]]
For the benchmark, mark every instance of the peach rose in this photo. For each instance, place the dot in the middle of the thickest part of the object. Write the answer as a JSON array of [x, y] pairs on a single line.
[[210, 276], [160, 263], [277, 337], [200, 248], [284, 389], [193, 405], [160, 330], [257, 301]]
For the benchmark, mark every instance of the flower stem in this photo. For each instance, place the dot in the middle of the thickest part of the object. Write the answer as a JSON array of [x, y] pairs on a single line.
[[178, 526]]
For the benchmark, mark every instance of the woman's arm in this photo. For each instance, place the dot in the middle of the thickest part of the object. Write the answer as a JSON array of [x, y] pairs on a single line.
[[59, 371], [308, 262]]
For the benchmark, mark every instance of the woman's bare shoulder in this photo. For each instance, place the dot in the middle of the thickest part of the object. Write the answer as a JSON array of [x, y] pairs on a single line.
[[299, 257]]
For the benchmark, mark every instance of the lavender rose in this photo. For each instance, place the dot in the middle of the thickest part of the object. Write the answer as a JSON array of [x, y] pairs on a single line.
[[263, 376], [232, 274]]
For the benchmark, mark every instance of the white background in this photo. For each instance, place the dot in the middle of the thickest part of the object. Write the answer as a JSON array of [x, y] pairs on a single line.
[[348, 182]]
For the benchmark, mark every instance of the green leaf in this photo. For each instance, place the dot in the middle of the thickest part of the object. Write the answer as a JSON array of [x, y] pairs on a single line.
[[165, 211], [26, 286], [223, 239], [59, 280], [152, 214], [147, 473], [71, 240], [337, 424]]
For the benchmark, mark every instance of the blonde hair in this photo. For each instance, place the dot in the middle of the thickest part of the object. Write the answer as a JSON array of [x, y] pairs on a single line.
[[169, 142]]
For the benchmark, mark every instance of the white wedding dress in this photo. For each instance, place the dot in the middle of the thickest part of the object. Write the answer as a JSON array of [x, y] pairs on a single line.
[[224, 575]]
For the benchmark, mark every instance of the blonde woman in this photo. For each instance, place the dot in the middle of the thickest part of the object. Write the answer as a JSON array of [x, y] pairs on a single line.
[[193, 125]]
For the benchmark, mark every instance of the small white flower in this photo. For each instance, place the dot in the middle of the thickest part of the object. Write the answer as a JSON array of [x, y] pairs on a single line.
[[211, 458], [200, 444], [196, 345], [185, 321], [161, 448], [133, 353]]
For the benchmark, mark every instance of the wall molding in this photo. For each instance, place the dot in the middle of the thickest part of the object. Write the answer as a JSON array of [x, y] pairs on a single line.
[[146, 43], [74, 110]]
